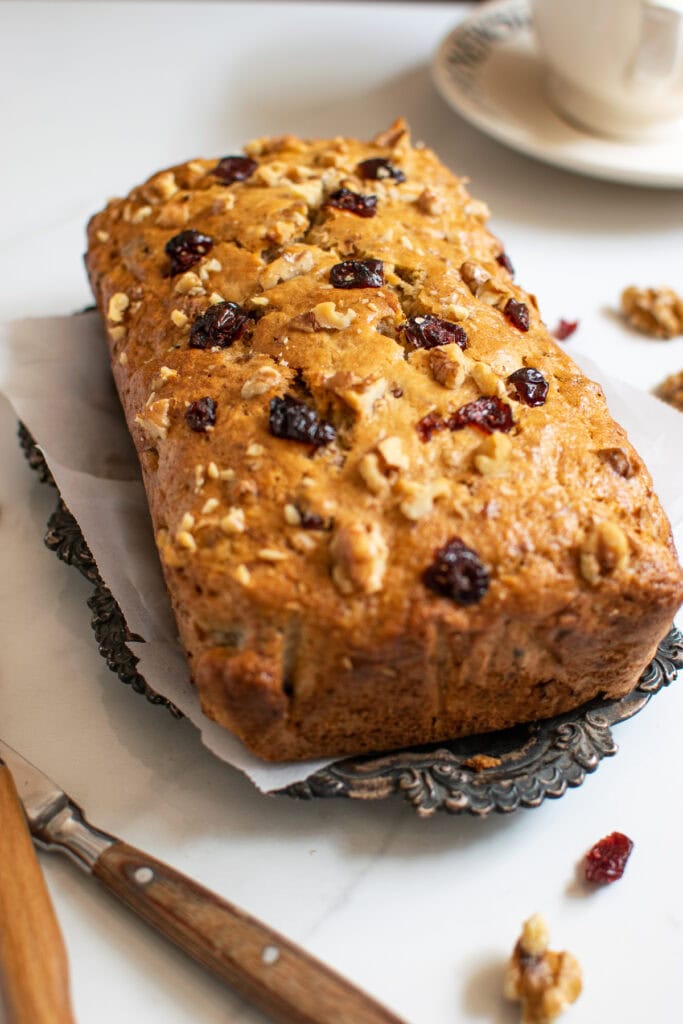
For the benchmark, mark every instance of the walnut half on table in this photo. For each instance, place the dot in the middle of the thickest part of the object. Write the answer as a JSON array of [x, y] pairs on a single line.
[[543, 981], [654, 311], [671, 390]]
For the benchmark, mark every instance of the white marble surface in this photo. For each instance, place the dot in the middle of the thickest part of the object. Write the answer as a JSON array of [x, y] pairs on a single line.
[[421, 914]]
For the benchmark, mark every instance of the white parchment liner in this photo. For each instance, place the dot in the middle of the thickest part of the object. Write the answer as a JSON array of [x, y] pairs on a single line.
[[55, 373]]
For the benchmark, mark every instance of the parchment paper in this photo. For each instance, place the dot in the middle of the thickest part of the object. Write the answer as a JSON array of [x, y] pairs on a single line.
[[55, 373]]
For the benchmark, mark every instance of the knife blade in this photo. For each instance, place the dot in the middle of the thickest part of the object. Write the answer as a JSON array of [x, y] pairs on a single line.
[[261, 965]]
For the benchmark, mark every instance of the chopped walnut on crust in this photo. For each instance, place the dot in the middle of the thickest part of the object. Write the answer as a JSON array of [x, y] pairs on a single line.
[[671, 390], [543, 981], [154, 419], [359, 558], [604, 551], [654, 311], [447, 364]]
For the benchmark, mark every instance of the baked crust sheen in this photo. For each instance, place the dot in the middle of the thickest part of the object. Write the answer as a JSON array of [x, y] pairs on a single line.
[[296, 572]]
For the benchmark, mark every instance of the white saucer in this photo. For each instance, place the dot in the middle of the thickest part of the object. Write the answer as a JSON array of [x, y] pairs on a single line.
[[489, 71]]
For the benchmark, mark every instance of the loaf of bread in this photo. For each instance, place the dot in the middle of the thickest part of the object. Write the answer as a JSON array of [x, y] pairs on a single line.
[[390, 509]]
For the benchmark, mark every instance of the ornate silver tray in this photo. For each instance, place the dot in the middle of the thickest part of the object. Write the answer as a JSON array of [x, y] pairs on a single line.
[[496, 772]]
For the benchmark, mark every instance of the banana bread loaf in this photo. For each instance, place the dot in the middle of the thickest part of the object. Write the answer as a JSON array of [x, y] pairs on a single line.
[[390, 510]]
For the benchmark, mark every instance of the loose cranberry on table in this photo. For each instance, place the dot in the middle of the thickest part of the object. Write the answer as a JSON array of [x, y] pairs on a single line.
[[353, 202], [605, 862], [220, 326], [428, 331], [234, 168], [357, 274], [186, 249], [565, 329], [379, 169]]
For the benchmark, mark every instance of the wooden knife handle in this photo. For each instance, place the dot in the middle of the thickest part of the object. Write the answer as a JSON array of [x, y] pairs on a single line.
[[34, 975], [258, 963]]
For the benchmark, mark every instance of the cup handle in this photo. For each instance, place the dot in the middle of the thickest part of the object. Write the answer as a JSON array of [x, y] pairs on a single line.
[[659, 57]]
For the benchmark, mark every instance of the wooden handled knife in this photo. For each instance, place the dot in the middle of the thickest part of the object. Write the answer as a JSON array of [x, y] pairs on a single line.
[[258, 963], [34, 978]]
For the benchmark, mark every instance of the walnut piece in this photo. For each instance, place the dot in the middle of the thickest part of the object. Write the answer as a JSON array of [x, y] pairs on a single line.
[[391, 450], [141, 214], [671, 390], [543, 981], [329, 318], [161, 186], [654, 311], [234, 521], [179, 318], [429, 203], [396, 134], [173, 215], [189, 284], [291, 264], [359, 558], [359, 393], [604, 551], [118, 304], [493, 294], [262, 380], [373, 477], [474, 275], [491, 457], [447, 365], [154, 418], [486, 380], [418, 498]]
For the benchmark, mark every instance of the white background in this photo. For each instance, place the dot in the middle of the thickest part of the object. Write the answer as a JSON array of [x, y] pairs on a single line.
[[422, 914]]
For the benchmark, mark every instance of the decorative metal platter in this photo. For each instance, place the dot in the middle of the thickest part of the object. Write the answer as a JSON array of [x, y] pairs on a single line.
[[495, 772]]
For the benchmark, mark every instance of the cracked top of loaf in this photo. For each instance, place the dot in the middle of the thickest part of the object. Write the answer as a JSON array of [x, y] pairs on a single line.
[[347, 409]]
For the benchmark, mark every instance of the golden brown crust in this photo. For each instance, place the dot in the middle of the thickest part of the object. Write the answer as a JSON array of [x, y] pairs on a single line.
[[296, 572]]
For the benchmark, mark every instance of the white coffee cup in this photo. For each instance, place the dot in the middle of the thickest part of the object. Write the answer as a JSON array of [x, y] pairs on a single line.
[[614, 66]]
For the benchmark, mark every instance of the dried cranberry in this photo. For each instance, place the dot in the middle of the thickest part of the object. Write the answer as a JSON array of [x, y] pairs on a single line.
[[296, 421], [219, 326], [311, 521], [504, 260], [565, 329], [518, 314], [528, 386], [429, 331], [457, 572], [429, 425], [353, 202], [201, 415], [485, 413], [605, 862], [186, 249], [378, 169], [234, 168], [357, 274]]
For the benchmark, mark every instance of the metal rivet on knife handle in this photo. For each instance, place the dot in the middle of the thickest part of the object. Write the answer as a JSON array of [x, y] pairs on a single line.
[[34, 976]]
